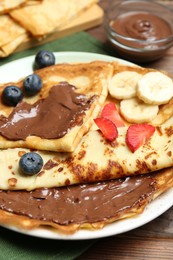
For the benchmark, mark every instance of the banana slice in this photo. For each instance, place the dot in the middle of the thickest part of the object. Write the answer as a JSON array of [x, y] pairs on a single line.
[[155, 88], [123, 85], [136, 111]]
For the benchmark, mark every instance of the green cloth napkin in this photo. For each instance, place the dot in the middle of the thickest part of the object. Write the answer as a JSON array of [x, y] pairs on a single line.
[[15, 246]]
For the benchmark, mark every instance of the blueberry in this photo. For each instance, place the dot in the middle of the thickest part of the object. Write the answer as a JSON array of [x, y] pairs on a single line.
[[12, 95], [30, 163], [32, 84], [44, 59]]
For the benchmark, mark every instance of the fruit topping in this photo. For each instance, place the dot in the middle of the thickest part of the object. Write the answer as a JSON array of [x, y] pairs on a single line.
[[123, 84], [32, 84], [107, 127], [30, 163], [110, 112], [44, 59], [136, 111], [138, 134], [155, 88], [12, 95]]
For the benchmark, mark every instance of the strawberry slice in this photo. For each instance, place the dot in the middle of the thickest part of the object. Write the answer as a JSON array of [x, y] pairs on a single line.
[[110, 112], [107, 127], [138, 134]]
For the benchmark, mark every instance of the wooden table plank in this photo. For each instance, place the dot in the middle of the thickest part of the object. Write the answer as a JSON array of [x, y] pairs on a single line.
[[130, 248], [153, 241]]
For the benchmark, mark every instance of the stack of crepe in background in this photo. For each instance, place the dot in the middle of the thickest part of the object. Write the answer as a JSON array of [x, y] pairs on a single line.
[[23, 20]]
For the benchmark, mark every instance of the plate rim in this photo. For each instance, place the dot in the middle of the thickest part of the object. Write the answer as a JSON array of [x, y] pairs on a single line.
[[127, 224]]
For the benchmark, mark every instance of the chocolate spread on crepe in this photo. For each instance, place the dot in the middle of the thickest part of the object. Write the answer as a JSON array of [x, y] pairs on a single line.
[[79, 204], [49, 118], [90, 80], [90, 206]]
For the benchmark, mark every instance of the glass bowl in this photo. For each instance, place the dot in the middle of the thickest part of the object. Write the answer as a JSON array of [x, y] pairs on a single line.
[[134, 35]]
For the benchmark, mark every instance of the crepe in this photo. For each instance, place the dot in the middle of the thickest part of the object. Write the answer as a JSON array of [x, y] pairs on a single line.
[[93, 160], [104, 193], [49, 15], [89, 79], [7, 5], [96, 204], [11, 35], [165, 111]]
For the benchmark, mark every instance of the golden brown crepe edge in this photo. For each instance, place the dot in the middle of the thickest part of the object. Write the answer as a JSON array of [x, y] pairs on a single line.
[[163, 181]]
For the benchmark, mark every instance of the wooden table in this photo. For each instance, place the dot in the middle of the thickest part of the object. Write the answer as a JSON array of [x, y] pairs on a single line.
[[154, 240]]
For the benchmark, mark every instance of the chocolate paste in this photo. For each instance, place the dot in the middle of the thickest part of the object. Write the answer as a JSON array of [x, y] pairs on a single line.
[[49, 118], [141, 26], [82, 203], [144, 33]]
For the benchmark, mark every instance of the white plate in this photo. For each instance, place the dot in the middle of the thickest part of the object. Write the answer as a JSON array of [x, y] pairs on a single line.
[[22, 67]]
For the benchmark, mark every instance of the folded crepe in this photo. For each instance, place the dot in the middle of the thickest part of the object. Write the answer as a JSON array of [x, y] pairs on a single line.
[[64, 114], [96, 204], [93, 160], [104, 193], [11, 35], [8, 5], [49, 15]]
